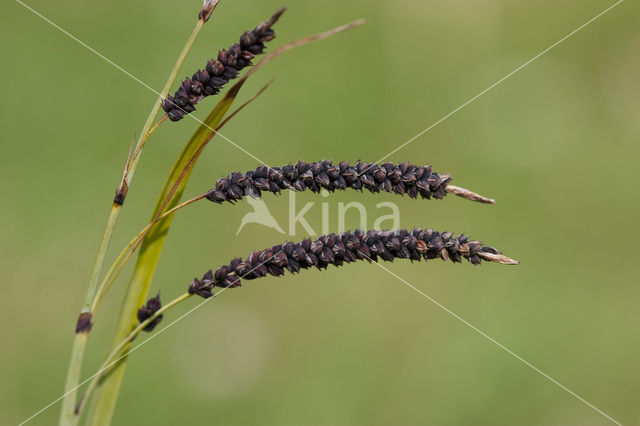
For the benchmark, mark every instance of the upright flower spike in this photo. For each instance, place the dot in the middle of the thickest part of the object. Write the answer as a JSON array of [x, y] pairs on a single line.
[[344, 248], [219, 71], [401, 179]]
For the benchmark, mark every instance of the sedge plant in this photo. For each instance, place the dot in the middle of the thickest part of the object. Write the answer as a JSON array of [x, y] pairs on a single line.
[[236, 64]]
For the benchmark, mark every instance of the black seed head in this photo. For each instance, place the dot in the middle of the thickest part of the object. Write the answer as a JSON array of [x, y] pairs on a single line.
[[343, 248], [146, 311], [218, 72]]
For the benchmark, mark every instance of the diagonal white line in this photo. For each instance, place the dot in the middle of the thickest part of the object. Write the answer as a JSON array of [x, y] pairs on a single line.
[[52, 403], [136, 78], [383, 158], [499, 81], [43, 409], [500, 345], [76, 39]]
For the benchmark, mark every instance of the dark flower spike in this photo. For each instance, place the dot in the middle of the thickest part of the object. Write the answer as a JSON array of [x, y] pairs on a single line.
[[146, 311], [219, 71], [344, 248], [402, 179]]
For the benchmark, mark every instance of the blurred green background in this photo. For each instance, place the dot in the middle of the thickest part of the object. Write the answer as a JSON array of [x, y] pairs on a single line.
[[556, 144]]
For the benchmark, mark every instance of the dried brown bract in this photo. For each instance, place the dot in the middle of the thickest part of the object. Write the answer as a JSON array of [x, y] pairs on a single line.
[[208, 6], [84, 323]]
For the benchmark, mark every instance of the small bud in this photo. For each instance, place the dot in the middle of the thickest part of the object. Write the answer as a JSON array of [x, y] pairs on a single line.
[[146, 311], [194, 286], [84, 322]]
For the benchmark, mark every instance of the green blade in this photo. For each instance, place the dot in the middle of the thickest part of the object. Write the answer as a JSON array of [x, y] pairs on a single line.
[[150, 251], [154, 241]]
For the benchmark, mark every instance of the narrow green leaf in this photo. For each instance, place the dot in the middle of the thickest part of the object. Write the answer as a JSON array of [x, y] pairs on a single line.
[[152, 245], [151, 249], [67, 417]]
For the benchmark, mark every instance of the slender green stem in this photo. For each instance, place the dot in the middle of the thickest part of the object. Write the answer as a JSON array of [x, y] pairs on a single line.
[[67, 417], [143, 141], [153, 242], [80, 339], [147, 260], [110, 277], [113, 356], [128, 251], [187, 167]]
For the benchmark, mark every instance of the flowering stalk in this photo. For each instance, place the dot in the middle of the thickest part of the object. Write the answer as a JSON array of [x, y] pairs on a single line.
[[160, 212], [344, 248], [152, 243], [149, 321], [401, 179], [218, 72], [85, 319], [329, 249], [128, 251]]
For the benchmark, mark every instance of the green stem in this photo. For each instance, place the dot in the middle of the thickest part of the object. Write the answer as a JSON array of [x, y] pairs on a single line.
[[80, 340], [112, 360], [67, 417], [148, 257], [153, 242], [128, 251]]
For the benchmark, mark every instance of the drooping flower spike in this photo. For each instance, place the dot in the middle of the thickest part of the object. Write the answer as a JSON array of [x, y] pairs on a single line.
[[401, 179], [344, 248], [219, 71]]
